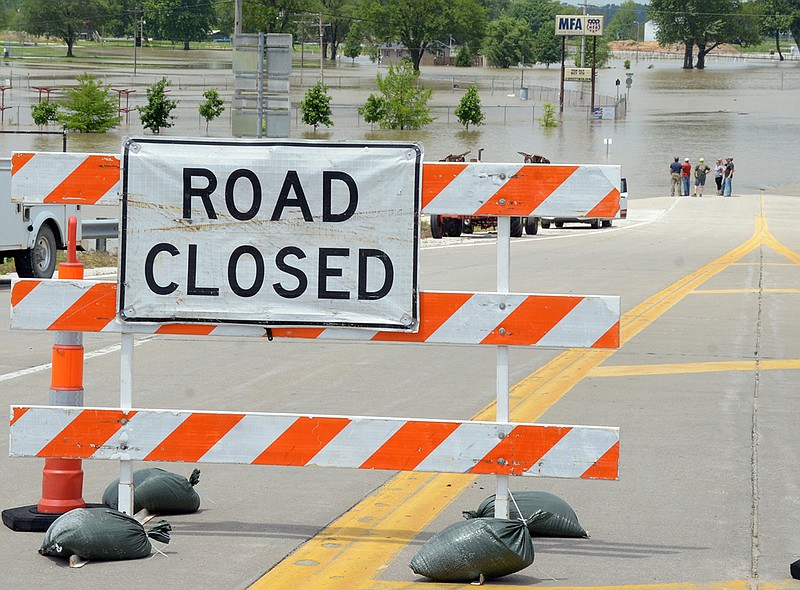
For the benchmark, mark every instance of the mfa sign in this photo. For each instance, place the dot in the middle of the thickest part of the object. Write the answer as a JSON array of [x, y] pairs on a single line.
[[271, 233], [579, 25]]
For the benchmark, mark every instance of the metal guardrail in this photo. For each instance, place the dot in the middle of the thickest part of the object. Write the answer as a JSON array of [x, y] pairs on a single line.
[[97, 229]]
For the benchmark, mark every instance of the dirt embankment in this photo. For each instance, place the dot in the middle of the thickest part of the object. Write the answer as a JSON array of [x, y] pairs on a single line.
[[654, 47]]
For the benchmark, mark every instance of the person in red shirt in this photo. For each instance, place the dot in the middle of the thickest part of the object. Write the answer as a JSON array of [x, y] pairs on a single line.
[[686, 174]]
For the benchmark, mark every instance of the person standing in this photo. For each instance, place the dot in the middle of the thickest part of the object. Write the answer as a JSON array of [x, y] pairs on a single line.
[[727, 177], [675, 175], [700, 172], [718, 170], [686, 174]]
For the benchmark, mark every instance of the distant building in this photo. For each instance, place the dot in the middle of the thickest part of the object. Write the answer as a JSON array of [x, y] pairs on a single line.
[[650, 30]]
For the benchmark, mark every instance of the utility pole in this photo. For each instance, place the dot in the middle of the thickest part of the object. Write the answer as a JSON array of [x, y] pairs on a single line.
[[321, 66], [237, 17]]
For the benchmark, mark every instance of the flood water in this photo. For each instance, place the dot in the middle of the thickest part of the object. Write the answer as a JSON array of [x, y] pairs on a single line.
[[747, 110]]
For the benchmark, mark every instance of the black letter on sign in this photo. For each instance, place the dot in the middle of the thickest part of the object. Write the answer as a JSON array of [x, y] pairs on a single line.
[[388, 275], [327, 177], [302, 280], [234, 261], [325, 272], [229, 200], [148, 268], [192, 288], [190, 191], [292, 181]]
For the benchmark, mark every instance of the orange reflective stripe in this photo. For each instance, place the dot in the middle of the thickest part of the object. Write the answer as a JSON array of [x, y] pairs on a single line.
[[21, 289], [16, 414], [67, 372], [610, 339], [434, 310], [91, 312], [19, 159], [92, 179], [519, 451], [608, 207], [85, 434], [435, 177], [296, 332], [301, 441], [532, 319], [606, 467], [531, 182], [410, 445], [189, 329], [193, 437]]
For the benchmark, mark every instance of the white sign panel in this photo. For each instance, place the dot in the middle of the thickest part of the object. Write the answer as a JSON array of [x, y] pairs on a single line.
[[579, 25], [578, 74], [270, 232]]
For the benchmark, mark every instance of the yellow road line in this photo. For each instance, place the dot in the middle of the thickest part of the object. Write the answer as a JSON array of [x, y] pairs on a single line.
[[731, 585], [737, 291], [352, 551], [683, 368]]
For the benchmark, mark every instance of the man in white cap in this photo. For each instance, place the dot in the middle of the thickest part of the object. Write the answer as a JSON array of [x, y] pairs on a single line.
[[686, 174], [700, 172]]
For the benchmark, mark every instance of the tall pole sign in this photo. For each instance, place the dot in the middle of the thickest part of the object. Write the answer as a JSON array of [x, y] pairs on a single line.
[[577, 25]]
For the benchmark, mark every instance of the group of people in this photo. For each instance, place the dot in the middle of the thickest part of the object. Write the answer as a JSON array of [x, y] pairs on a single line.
[[681, 175]]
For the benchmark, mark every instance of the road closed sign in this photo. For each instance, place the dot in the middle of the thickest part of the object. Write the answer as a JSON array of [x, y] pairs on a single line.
[[275, 233]]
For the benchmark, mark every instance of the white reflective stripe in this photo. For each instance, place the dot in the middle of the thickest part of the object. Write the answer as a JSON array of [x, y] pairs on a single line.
[[346, 334], [474, 320], [231, 330], [37, 428], [249, 437], [571, 195], [584, 324], [356, 443], [468, 444], [470, 189], [144, 432], [45, 304], [576, 452]]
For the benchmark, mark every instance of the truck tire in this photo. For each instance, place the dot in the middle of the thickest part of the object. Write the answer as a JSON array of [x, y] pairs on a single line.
[[545, 224], [436, 227], [516, 227], [531, 226], [40, 261], [452, 226], [595, 224], [558, 224]]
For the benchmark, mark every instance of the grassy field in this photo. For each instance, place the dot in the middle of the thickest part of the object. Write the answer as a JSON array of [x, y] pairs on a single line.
[[90, 259]]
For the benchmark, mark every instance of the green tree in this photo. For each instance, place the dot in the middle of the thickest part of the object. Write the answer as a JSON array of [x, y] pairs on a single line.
[[352, 47], [539, 14], [88, 108], [63, 19], [212, 107], [463, 57], [601, 53], [625, 23], [508, 41], [157, 113], [44, 112], [546, 47], [180, 20], [548, 118], [469, 109], [406, 103], [374, 110], [420, 24], [316, 106]]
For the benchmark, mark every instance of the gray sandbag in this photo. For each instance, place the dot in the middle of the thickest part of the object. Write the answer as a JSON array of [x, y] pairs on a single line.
[[492, 547], [101, 534], [159, 491], [562, 522]]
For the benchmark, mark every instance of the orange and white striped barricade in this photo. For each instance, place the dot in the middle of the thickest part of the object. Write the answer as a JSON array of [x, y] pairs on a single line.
[[299, 440], [499, 319]]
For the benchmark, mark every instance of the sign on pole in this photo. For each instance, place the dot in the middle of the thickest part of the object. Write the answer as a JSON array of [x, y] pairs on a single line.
[[578, 74], [271, 233], [579, 25]]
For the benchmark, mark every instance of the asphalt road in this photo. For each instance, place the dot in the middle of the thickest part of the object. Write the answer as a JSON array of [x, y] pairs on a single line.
[[702, 389]]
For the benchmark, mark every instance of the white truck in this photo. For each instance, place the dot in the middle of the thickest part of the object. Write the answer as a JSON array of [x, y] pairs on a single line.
[[31, 234]]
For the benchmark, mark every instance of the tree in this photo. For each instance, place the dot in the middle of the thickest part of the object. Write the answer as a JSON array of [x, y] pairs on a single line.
[[180, 20], [601, 52], [157, 113], [212, 107], [548, 118], [546, 47], [777, 19], [63, 19], [44, 112], [421, 24], [88, 108], [316, 106], [406, 103], [508, 41], [625, 24], [374, 110], [469, 109], [463, 57], [539, 14], [352, 47]]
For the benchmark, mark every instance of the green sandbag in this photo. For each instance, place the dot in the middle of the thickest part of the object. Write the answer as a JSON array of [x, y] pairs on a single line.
[[463, 551], [562, 522], [159, 491], [100, 534]]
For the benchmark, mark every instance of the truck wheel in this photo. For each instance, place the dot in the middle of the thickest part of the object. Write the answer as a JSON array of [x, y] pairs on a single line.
[[545, 224], [558, 223], [607, 223], [436, 226], [595, 224], [467, 227], [452, 226], [516, 227], [531, 226], [40, 261]]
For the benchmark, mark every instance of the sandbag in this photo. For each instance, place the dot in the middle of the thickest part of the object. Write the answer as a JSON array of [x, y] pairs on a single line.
[[100, 534], [159, 491], [562, 521], [463, 551]]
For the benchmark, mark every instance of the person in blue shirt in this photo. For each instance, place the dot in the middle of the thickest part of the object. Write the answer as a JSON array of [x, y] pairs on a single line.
[[675, 175]]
